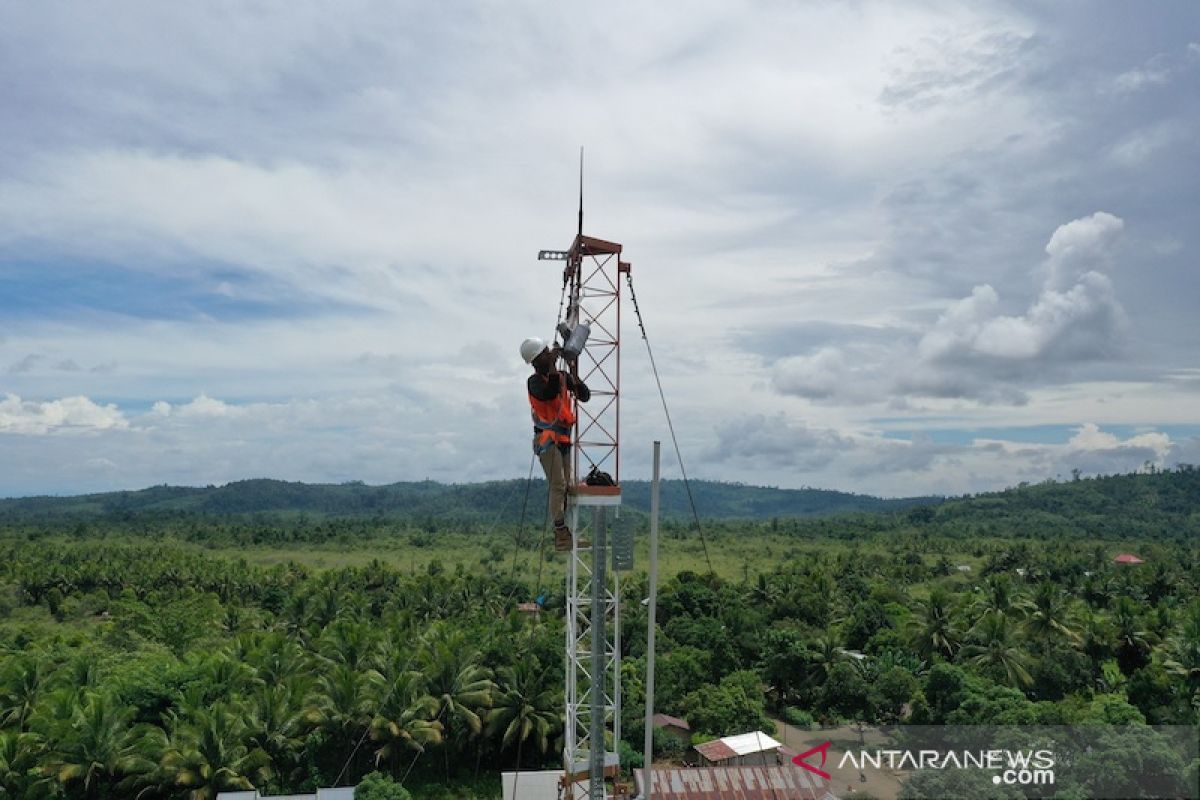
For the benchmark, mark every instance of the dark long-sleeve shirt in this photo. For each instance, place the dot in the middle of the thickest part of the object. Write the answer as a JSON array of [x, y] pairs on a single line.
[[547, 386]]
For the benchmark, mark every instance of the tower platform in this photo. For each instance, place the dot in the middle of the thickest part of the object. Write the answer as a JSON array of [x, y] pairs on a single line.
[[581, 494]]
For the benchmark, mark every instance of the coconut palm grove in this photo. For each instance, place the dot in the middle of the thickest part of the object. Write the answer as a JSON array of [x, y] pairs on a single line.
[[153, 649]]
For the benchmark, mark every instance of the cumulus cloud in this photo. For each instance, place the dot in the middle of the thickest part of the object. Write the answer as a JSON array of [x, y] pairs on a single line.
[[976, 350], [205, 406], [1091, 450], [1084, 322], [200, 407], [1076, 316], [1080, 246], [65, 415]]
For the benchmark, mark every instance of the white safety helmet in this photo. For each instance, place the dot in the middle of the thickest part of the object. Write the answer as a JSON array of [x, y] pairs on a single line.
[[530, 349]]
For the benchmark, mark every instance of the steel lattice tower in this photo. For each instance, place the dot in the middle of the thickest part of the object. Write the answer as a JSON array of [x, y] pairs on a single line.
[[593, 665]]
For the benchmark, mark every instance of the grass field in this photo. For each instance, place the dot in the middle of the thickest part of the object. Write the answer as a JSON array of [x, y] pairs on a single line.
[[732, 556]]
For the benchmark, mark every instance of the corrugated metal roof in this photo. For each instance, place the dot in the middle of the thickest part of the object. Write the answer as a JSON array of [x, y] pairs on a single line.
[[746, 743], [743, 744], [716, 750], [660, 720], [735, 783]]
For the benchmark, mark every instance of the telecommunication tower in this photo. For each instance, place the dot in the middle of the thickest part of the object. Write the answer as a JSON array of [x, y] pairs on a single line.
[[592, 274]]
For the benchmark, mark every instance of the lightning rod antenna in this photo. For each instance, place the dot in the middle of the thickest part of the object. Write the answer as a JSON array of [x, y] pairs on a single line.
[[581, 190]]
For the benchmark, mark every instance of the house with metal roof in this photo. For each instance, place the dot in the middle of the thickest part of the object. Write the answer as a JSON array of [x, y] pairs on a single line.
[[751, 748], [678, 729]]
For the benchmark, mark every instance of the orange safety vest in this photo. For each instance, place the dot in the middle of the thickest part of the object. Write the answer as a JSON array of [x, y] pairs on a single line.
[[553, 419]]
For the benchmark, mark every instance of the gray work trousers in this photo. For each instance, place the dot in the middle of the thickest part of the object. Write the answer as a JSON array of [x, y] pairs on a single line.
[[557, 466]]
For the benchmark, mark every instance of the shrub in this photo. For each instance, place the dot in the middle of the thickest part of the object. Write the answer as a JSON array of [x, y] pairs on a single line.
[[378, 786], [798, 718]]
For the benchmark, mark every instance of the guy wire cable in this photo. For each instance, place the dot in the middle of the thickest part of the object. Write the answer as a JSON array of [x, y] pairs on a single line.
[[687, 484]]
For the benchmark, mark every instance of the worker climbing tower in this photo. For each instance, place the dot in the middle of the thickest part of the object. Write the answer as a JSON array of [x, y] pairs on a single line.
[[591, 280]]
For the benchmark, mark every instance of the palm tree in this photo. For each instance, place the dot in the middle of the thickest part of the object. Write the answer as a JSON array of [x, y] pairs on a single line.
[[208, 751], [993, 646], [999, 596], [277, 657], [1183, 649], [95, 747], [355, 644], [825, 655], [406, 720], [23, 681], [1095, 637], [457, 681], [18, 752], [1132, 641], [274, 722], [343, 703], [219, 675], [934, 631], [1051, 615], [527, 707]]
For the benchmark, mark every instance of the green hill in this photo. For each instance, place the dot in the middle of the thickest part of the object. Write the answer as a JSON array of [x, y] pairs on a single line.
[[428, 499], [1143, 504], [1156, 503]]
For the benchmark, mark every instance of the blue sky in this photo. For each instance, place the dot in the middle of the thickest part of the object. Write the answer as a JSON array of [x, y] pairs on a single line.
[[895, 248]]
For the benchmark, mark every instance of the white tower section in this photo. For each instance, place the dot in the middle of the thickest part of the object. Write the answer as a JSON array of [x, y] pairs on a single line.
[[593, 666]]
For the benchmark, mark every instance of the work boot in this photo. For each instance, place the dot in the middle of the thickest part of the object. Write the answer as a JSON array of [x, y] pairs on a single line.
[[562, 537]]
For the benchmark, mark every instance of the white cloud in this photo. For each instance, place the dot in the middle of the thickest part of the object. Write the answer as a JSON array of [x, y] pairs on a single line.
[[817, 376], [1089, 438], [1076, 317], [1081, 246], [205, 406], [65, 415], [1084, 322], [1090, 450], [974, 349]]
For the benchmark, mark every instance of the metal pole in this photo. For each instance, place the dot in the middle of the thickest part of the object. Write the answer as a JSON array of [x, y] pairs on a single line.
[[616, 665], [648, 755], [598, 748]]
